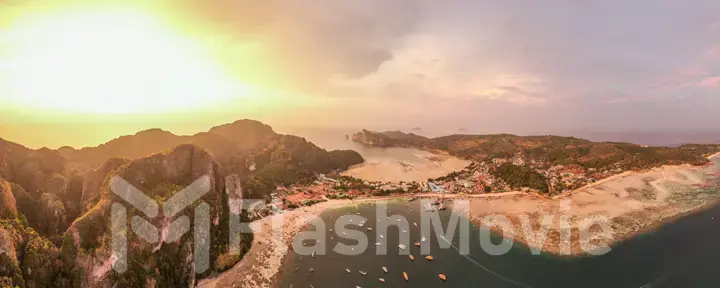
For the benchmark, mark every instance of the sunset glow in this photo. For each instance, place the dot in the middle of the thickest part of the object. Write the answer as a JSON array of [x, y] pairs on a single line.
[[110, 61]]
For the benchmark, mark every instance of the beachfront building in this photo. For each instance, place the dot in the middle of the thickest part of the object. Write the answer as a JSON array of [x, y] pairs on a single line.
[[435, 188]]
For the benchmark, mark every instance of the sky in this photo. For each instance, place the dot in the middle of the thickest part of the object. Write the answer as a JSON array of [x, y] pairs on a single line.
[[83, 72]]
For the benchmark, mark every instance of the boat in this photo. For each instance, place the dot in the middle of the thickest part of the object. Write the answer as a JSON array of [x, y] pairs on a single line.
[[313, 255], [402, 246], [382, 237], [311, 270], [405, 276], [347, 270], [362, 224], [414, 223], [378, 244], [423, 239], [429, 258], [385, 269], [442, 276], [369, 228], [441, 207], [417, 244], [381, 280], [412, 258], [362, 272], [430, 208]]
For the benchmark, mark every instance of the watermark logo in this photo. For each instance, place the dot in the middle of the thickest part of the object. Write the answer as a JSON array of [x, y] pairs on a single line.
[[171, 231]]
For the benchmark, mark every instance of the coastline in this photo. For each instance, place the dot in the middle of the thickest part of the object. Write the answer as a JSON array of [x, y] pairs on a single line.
[[631, 214], [262, 265]]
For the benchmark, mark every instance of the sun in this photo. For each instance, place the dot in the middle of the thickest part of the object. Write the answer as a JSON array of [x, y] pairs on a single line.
[[108, 61]]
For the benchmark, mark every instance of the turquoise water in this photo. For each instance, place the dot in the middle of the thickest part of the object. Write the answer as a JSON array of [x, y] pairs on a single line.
[[681, 254]]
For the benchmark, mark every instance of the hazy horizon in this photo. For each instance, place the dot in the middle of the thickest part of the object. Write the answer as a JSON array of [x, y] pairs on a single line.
[[99, 134], [81, 72]]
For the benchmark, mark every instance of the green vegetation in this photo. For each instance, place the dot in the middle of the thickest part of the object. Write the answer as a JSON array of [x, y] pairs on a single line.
[[548, 151], [520, 176]]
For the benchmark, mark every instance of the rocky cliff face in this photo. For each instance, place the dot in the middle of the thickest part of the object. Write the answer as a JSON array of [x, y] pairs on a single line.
[[93, 179], [8, 207], [168, 262], [53, 188]]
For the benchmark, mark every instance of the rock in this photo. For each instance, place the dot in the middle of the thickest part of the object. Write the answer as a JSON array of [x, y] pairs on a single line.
[[159, 176], [8, 208], [51, 218], [55, 184], [93, 179], [188, 162], [10, 273], [234, 193]]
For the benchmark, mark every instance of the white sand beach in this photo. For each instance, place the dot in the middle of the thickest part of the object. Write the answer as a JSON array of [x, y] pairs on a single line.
[[437, 164]]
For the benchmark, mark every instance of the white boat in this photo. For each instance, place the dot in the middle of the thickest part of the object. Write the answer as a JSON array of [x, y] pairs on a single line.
[[430, 208], [382, 237], [378, 244], [381, 280], [347, 270], [414, 223], [385, 269], [369, 228], [363, 272], [423, 239], [402, 246]]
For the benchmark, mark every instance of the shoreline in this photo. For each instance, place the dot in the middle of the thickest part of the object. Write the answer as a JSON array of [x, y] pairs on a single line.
[[262, 265]]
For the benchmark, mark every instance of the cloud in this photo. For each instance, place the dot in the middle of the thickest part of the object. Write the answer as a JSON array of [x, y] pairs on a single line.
[[305, 45], [710, 82]]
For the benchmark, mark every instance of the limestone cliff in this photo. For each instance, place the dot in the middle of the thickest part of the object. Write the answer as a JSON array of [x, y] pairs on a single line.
[[8, 207]]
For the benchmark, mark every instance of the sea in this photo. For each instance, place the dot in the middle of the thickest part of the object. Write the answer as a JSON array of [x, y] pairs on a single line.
[[338, 139], [682, 253]]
